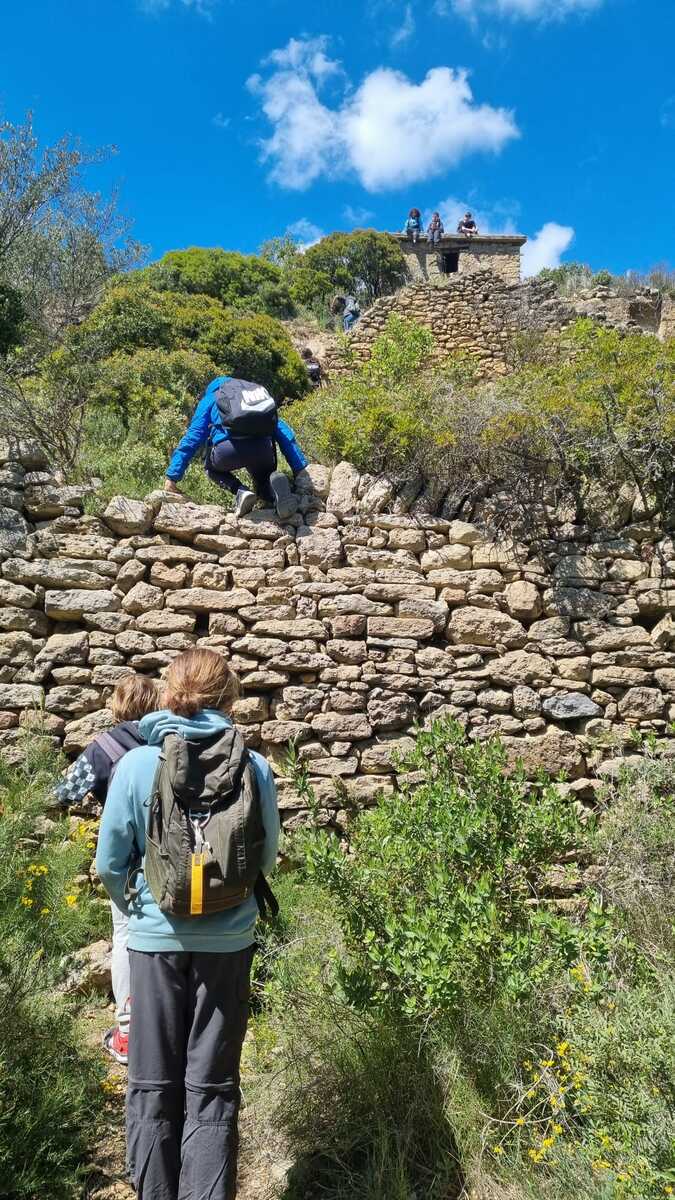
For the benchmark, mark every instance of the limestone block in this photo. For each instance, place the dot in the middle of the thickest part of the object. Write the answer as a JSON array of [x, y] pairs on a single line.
[[90, 970], [419, 629], [503, 555], [663, 633], [20, 695], [71, 605], [319, 547], [579, 568], [628, 570], [334, 606], [334, 767], [495, 699], [164, 621], [643, 703], [315, 478], [80, 732], [377, 496], [346, 651], [461, 533], [259, 647], [519, 667], [175, 641], [344, 490], [210, 575], [130, 573], [208, 599], [16, 595], [485, 627], [599, 636], [382, 757], [264, 678], [579, 603], [16, 648], [163, 552], [391, 710], [437, 611], [365, 789], [142, 598], [269, 559], [619, 677], [53, 572], [276, 612], [523, 600], [108, 622], [665, 678], [413, 540], [184, 520], [375, 559], [249, 709], [434, 663], [575, 667], [298, 703], [87, 546], [288, 630], [107, 676], [13, 531], [298, 662], [42, 501], [226, 624], [130, 641], [164, 575], [456, 556], [278, 732], [572, 706], [349, 727], [72, 701], [65, 649], [555, 750], [220, 543]]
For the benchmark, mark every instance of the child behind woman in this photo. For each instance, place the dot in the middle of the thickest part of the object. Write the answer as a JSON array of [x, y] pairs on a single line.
[[92, 772]]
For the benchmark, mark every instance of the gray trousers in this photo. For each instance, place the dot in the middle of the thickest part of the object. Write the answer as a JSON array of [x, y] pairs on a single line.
[[190, 1014]]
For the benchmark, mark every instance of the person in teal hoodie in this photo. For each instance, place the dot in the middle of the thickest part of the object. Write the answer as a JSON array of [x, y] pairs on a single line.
[[190, 975], [224, 455]]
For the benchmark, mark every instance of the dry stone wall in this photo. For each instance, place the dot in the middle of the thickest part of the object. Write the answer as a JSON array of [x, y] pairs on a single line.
[[478, 314], [347, 625]]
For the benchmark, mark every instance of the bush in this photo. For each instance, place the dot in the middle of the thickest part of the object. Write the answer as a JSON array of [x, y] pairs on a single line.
[[366, 263], [12, 318], [50, 1091], [240, 281]]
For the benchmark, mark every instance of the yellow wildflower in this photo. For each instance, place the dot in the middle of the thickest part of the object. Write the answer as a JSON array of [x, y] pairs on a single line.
[[27, 901], [520, 1120], [548, 1142], [527, 1064], [529, 1095], [71, 901], [44, 912], [497, 1149], [562, 1048], [557, 1128]]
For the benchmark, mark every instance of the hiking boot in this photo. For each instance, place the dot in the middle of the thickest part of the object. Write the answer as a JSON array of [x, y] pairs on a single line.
[[244, 502], [285, 502], [117, 1045]]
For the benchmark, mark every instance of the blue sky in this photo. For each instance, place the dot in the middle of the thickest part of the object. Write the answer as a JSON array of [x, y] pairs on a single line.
[[236, 122]]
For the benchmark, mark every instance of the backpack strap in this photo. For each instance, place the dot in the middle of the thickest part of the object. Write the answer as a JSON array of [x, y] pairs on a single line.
[[268, 905], [110, 746]]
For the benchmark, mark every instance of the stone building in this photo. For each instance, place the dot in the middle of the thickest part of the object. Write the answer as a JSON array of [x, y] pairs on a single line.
[[459, 255]]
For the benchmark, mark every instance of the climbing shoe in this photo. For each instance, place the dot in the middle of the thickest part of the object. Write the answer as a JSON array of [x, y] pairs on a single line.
[[117, 1045], [244, 503], [285, 502]]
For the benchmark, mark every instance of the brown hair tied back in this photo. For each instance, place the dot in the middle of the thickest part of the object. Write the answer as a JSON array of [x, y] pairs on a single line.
[[133, 697], [198, 679]]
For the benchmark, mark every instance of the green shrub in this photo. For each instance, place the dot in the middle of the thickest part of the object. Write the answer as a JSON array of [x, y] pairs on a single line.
[[240, 281], [434, 899], [365, 262], [12, 318], [50, 1091]]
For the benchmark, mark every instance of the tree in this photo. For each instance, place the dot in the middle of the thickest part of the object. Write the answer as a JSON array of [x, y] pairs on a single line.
[[58, 242], [365, 262], [241, 281], [12, 316]]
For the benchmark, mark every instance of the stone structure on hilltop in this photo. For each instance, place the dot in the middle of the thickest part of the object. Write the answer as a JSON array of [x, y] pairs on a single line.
[[459, 255], [361, 616], [479, 312]]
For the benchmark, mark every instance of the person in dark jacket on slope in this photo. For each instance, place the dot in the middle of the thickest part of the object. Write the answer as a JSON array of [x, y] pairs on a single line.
[[226, 454], [92, 772]]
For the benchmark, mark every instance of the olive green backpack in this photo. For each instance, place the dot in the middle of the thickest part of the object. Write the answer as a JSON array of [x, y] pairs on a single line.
[[205, 835]]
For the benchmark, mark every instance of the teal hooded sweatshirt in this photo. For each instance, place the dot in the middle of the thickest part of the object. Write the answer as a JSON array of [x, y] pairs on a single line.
[[122, 841]]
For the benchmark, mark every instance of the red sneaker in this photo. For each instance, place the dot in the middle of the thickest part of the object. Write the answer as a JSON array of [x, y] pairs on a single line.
[[117, 1045]]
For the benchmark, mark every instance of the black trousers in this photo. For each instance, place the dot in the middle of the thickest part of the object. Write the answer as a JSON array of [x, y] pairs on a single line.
[[190, 1012], [255, 455]]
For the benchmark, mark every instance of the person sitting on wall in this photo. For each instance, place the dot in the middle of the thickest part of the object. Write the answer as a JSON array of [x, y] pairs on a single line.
[[467, 225], [413, 226], [313, 368], [237, 424], [435, 229]]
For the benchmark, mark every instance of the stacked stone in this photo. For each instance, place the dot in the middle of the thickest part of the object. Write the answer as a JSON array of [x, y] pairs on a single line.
[[479, 313], [347, 625]]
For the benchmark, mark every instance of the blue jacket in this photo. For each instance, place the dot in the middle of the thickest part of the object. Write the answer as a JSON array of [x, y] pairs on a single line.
[[122, 840], [206, 423]]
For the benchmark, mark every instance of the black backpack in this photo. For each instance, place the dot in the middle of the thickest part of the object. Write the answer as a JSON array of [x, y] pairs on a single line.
[[246, 409]]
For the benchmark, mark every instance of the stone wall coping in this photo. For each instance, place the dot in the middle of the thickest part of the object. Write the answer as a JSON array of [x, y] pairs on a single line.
[[456, 241]]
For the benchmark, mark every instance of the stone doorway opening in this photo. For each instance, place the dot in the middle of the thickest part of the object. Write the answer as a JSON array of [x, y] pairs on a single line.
[[449, 262]]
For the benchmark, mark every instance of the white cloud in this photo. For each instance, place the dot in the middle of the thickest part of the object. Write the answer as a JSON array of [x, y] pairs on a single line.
[[305, 233], [220, 120], [357, 216], [528, 10], [667, 117], [405, 30], [545, 248], [389, 131]]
